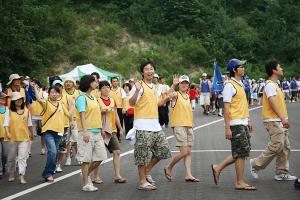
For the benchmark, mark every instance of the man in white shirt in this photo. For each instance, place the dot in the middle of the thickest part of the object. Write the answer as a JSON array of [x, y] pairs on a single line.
[[151, 144], [275, 117], [237, 125]]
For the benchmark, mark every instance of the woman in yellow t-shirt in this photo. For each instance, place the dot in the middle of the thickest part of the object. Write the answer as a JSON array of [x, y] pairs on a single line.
[[3, 139], [18, 127], [52, 128]]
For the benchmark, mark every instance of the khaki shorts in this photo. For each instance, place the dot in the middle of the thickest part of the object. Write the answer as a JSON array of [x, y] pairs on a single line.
[[113, 144], [150, 145], [91, 151], [184, 136]]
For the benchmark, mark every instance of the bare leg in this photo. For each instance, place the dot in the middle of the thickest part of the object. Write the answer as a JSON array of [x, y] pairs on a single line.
[[151, 164], [142, 174], [117, 165], [187, 164], [239, 169], [228, 161], [184, 151]]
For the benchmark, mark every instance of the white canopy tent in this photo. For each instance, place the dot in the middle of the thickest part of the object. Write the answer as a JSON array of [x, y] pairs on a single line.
[[82, 70]]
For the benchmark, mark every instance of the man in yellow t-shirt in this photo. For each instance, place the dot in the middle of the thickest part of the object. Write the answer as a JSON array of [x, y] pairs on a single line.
[[119, 95], [237, 125], [275, 118], [151, 144]]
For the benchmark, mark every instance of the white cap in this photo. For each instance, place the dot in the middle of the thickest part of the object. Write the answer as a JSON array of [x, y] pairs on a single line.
[[16, 95], [184, 78], [156, 76], [204, 74]]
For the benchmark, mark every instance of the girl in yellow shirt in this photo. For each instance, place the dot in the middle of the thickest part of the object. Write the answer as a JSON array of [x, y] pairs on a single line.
[[18, 127], [52, 128], [182, 125]]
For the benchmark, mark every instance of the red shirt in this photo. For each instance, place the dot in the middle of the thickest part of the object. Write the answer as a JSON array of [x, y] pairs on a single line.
[[107, 102], [192, 94]]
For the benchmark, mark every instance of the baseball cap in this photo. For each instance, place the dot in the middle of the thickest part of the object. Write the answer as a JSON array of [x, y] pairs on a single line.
[[57, 82], [235, 62], [156, 76], [184, 78], [204, 74]]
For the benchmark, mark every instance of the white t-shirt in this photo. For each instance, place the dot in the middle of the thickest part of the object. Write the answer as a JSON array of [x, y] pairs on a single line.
[[7, 118], [270, 90], [145, 124], [228, 92], [298, 82]]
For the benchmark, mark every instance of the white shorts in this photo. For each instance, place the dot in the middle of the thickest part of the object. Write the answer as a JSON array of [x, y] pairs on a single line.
[[205, 99]]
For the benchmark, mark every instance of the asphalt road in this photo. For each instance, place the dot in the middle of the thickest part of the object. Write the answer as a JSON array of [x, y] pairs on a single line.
[[210, 147]]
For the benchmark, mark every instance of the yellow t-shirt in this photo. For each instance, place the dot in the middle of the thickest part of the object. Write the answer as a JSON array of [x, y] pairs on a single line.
[[53, 117], [238, 108], [267, 111], [116, 94], [92, 114], [147, 106], [18, 126], [181, 112]]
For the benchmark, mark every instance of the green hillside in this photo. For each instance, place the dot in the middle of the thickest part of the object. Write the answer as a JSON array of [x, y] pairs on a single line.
[[42, 38]]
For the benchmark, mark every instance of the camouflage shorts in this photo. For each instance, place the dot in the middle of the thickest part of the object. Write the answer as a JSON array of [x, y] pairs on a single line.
[[240, 142], [150, 145]]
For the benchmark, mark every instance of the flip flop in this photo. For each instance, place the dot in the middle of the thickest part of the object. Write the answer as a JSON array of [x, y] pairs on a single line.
[[214, 174], [147, 187], [192, 180], [167, 176], [150, 179], [247, 187], [120, 180], [97, 181]]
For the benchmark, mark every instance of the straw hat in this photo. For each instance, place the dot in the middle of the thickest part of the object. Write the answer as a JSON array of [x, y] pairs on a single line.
[[13, 77]]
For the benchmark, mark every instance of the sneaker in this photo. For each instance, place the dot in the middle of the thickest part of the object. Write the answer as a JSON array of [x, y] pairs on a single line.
[[68, 162], [220, 115], [58, 168], [89, 188], [285, 177], [253, 171]]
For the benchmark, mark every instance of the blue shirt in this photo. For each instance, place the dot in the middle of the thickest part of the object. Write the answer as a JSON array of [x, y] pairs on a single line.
[[80, 104]]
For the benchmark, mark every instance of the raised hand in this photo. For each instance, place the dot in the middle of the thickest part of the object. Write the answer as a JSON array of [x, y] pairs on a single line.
[[175, 79]]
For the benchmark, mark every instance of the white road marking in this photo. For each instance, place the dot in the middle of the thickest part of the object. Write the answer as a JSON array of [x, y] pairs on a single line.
[[37, 187], [224, 150]]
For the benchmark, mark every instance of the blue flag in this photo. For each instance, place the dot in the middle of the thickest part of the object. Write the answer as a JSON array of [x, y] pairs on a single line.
[[218, 80]]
